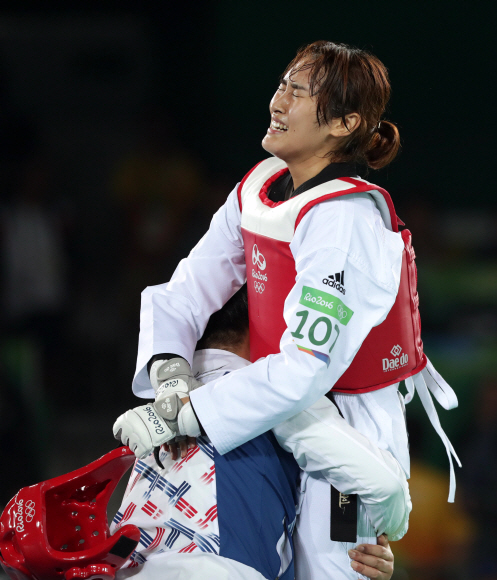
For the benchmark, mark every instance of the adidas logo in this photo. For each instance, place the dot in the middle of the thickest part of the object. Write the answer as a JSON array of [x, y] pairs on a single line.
[[335, 281]]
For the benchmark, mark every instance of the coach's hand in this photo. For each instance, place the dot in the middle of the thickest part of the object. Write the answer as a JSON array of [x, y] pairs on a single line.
[[172, 381], [142, 429], [373, 561]]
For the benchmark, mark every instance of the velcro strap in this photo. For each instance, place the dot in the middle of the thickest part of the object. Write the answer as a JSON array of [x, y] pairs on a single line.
[[439, 387], [417, 383]]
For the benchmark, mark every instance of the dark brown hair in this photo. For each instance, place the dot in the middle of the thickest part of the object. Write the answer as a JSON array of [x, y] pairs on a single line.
[[227, 327], [348, 80]]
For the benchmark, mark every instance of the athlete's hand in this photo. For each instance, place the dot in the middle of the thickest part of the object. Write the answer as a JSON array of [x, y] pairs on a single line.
[[373, 561], [180, 448], [188, 429], [142, 429], [172, 381]]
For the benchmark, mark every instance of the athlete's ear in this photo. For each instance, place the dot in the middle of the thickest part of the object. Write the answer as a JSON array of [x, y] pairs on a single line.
[[338, 127]]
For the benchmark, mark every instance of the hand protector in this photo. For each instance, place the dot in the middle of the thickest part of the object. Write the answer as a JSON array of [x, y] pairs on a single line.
[[142, 429], [187, 422], [171, 380]]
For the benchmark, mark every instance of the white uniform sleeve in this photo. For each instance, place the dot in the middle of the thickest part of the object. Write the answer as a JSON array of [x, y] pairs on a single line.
[[322, 441], [173, 316], [339, 235]]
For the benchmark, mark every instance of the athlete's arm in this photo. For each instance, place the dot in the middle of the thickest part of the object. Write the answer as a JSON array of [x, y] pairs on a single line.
[[323, 442], [316, 348], [174, 315]]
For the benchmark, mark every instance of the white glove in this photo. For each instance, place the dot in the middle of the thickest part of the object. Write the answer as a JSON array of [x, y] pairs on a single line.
[[187, 422], [171, 380], [142, 429]]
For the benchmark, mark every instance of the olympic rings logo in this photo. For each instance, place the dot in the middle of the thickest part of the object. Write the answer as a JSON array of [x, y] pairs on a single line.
[[259, 287], [29, 510], [258, 258], [341, 312]]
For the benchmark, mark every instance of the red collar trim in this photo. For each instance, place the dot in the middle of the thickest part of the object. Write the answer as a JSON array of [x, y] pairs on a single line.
[[265, 188], [359, 186]]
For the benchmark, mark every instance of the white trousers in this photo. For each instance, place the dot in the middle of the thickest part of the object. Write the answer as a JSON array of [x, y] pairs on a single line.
[[202, 566], [317, 557]]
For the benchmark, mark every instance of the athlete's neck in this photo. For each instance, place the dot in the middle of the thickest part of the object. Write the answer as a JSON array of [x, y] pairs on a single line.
[[302, 171], [241, 347]]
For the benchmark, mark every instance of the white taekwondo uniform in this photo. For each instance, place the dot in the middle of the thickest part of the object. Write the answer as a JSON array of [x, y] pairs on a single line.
[[347, 234], [184, 523]]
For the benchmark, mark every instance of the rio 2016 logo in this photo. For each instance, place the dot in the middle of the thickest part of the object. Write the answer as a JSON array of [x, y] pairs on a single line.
[[25, 513], [258, 258], [152, 417], [260, 261]]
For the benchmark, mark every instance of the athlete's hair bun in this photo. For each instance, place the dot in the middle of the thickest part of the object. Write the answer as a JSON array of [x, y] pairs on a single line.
[[347, 80], [383, 146]]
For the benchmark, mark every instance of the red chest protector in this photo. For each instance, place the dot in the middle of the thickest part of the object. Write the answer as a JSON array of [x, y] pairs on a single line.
[[393, 350]]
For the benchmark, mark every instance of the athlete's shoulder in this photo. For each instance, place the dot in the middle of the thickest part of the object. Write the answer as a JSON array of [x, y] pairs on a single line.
[[211, 364], [355, 201], [381, 199], [355, 209], [354, 225]]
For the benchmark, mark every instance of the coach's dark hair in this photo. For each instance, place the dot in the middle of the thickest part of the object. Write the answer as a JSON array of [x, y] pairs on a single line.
[[228, 326], [349, 80]]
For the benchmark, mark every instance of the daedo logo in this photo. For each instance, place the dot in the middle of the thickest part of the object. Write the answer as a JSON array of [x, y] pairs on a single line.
[[326, 303], [171, 368], [391, 364], [336, 281], [260, 261]]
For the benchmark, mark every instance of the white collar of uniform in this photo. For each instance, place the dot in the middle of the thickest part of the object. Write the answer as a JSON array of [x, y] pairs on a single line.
[[211, 363]]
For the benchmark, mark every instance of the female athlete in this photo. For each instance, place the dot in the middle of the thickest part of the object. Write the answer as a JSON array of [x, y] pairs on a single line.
[[332, 289]]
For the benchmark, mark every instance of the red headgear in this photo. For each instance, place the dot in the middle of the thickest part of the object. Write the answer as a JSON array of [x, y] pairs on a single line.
[[59, 529]]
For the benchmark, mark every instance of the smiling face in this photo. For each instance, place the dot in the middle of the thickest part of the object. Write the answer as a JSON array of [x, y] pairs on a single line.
[[294, 134]]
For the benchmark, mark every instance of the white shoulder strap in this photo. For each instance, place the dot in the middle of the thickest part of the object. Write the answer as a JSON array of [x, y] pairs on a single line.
[[278, 220]]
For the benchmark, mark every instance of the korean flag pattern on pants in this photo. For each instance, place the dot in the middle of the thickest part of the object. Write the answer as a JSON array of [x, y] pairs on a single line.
[[174, 512]]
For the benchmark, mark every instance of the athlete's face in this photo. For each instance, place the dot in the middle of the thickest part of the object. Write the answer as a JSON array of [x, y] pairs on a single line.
[[294, 134]]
